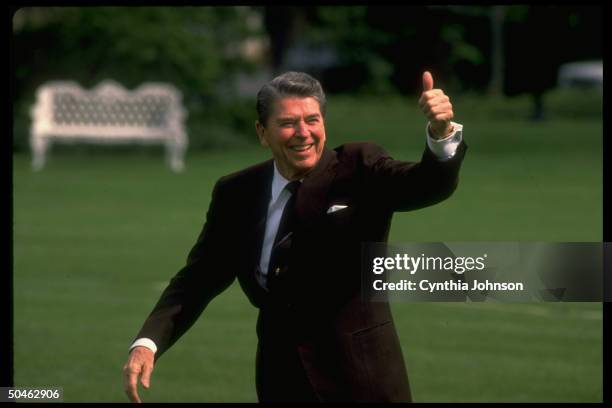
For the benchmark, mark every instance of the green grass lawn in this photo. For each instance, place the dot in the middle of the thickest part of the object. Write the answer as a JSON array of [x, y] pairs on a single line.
[[98, 234]]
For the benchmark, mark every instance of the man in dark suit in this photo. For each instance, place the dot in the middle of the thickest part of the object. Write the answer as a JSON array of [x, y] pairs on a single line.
[[293, 227]]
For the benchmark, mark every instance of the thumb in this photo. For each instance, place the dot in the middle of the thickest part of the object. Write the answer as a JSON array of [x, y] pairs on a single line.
[[427, 81]]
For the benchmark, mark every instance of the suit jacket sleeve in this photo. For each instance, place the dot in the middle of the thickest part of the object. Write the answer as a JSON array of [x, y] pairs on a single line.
[[404, 186], [195, 285]]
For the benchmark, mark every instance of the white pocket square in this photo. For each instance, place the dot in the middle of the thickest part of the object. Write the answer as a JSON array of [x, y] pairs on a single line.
[[335, 208]]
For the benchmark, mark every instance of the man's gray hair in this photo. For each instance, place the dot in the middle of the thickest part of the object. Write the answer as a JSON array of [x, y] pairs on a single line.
[[288, 84]]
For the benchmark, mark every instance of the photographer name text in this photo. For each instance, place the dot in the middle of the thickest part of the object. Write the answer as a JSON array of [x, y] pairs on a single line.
[[445, 286], [457, 265]]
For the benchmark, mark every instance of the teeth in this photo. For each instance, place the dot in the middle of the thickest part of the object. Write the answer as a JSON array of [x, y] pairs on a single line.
[[301, 148]]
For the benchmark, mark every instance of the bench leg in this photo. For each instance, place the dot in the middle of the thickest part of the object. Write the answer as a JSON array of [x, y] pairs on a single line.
[[175, 153], [39, 146]]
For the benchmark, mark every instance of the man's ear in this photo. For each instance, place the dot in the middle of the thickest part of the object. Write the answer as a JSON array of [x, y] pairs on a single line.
[[261, 130]]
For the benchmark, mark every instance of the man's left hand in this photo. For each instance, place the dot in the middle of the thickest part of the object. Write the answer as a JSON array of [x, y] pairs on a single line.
[[437, 108]]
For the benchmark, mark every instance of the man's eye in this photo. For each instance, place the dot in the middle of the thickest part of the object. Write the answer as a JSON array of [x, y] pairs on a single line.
[[312, 121]]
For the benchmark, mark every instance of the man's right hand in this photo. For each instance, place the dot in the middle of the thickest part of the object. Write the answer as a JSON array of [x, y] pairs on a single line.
[[139, 364]]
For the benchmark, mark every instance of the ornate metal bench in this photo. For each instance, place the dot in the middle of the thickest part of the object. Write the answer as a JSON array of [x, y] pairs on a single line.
[[108, 114]]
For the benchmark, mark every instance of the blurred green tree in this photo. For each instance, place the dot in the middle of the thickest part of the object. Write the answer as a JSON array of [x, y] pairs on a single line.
[[384, 49], [538, 39], [191, 47], [197, 49], [468, 47], [358, 42]]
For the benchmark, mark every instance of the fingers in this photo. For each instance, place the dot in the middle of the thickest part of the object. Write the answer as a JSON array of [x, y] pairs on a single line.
[[432, 110], [139, 364], [437, 108], [441, 117], [130, 383], [427, 81], [433, 98], [145, 379]]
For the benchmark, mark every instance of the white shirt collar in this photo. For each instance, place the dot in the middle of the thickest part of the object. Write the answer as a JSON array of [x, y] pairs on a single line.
[[278, 184]]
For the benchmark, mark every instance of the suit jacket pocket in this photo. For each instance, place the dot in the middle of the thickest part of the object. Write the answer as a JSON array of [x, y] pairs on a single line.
[[341, 218]]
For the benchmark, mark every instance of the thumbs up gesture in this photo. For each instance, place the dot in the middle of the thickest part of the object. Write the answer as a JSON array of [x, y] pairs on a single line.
[[437, 108]]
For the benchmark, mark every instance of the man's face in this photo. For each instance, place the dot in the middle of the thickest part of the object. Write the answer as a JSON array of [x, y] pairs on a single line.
[[295, 133]]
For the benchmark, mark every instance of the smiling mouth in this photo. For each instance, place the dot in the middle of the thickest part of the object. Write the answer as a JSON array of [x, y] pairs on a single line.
[[301, 148]]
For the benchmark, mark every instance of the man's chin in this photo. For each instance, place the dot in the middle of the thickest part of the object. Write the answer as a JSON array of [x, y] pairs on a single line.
[[302, 169]]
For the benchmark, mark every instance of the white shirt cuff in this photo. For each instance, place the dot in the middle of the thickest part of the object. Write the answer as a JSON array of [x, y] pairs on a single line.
[[445, 148], [148, 343]]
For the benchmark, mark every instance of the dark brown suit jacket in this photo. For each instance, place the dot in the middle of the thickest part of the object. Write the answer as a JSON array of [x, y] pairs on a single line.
[[318, 340]]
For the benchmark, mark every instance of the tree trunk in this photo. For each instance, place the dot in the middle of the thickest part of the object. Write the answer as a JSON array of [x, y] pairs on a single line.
[[497, 15]]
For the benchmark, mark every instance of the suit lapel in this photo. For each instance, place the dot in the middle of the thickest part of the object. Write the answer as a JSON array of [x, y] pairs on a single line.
[[311, 200], [261, 199], [310, 204], [312, 197], [256, 198]]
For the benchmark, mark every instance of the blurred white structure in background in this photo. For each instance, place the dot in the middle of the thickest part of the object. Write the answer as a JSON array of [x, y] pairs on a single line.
[[65, 112], [583, 74]]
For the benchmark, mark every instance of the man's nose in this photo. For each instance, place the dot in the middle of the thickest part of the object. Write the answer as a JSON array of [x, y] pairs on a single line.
[[301, 129]]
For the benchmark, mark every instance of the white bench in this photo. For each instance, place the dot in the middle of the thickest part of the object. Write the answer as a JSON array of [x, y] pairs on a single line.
[[108, 114]]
